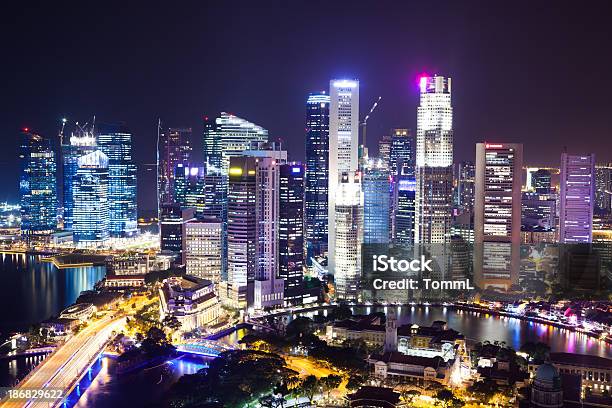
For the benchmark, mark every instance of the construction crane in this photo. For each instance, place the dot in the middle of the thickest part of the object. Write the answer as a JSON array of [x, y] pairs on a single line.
[[61, 132], [364, 124]]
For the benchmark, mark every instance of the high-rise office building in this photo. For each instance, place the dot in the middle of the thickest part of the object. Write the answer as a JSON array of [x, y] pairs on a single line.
[[190, 186], [116, 142], [434, 159], [384, 151], [497, 214], [538, 212], [376, 206], [603, 188], [228, 136], [37, 186], [317, 174], [172, 221], [343, 152], [402, 152], [291, 230], [348, 220], [202, 248], [241, 228], [174, 147], [91, 216], [577, 196], [81, 142], [541, 181], [268, 287], [464, 186], [404, 210]]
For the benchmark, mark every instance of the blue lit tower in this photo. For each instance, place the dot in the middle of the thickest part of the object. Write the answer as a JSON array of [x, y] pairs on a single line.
[[91, 200], [81, 142], [37, 185], [376, 207], [291, 231], [317, 173], [116, 142]]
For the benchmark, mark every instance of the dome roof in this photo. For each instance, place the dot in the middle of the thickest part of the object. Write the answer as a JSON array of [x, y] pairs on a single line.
[[547, 372]]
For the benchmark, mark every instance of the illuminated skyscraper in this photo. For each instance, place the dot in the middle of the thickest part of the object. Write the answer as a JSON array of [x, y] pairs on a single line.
[[172, 224], [81, 142], [576, 200], [174, 147], [116, 142], [348, 220], [376, 206], [91, 219], [402, 153], [291, 231], [202, 249], [37, 185], [541, 181], [465, 173], [404, 211], [317, 174], [228, 136], [497, 214], [384, 151], [241, 228], [343, 154], [603, 190], [434, 159]]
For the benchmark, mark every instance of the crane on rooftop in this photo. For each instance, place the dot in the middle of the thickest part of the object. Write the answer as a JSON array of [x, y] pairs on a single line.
[[364, 124]]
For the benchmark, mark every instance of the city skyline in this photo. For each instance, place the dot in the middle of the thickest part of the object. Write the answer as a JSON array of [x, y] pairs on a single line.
[[494, 100]]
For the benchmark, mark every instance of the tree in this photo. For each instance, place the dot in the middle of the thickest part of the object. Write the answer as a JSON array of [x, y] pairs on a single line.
[[309, 387], [331, 382], [409, 396], [172, 323], [448, 399]]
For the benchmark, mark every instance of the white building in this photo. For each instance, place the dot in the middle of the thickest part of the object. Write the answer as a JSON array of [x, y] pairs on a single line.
[[203, 249], [577, 198], [191, 300], [343, 148], [434, 160], [348, 227]]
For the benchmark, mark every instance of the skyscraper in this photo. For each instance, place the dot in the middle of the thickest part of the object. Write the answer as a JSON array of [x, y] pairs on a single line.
[[116, 142], [317, 174], [228, 136], [241, 228], [404, 210], [434, 159], [37, 186], [577, 196], [376, 206], [291, 231], [172, 221], [91, 219], [465, 173], [348, 219], [81, 142], [343, 152], [384, 151], [174, 147], [402, 153], [202, 248], [603, 190], [497, 214], [541, 181], [190, 186]]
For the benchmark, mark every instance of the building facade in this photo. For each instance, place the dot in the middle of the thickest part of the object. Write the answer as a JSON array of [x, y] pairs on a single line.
[[174, 147], [37, 186], [576, 200], [116, 142], [203, 249], [343, 155], [497, 214], [317, 174], [91, 217]]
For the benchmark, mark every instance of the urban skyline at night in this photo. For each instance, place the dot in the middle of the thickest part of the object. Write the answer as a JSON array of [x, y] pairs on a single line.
[[306, 205]]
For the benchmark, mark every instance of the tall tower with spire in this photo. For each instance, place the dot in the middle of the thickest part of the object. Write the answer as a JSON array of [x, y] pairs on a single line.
[[391, 331]]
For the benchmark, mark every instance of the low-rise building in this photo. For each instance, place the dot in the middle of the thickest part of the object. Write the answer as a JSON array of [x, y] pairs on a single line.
[[191, 300], [374, 397], [409, 369]]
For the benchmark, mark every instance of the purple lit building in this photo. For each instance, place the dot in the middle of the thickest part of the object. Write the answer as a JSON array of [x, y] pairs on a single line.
[[577, 184]]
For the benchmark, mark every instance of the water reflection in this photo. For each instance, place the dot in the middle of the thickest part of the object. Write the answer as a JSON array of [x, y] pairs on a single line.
[[32, 290]]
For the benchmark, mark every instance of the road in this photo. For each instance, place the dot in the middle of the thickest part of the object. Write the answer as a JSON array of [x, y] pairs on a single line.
[[62, 368]]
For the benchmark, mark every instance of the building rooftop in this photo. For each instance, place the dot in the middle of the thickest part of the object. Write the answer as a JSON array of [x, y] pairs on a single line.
[[376, 394], [397, 357], [581, 360]]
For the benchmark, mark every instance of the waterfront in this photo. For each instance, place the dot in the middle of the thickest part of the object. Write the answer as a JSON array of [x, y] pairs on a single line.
[[33, 290]]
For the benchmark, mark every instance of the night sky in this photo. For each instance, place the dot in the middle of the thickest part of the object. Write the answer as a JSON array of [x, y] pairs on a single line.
[[539, 73]]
